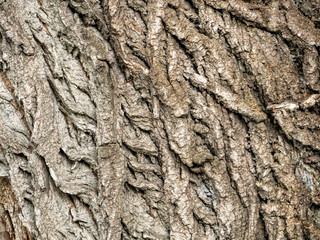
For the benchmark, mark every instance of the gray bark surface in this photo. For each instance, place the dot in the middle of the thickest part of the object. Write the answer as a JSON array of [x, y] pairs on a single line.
[[159, 119]]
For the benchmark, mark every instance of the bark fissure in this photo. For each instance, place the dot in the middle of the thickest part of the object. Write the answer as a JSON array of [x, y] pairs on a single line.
[[160, 119]]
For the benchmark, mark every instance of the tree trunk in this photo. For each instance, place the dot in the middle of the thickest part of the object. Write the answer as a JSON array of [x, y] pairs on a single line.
[[159, 119]]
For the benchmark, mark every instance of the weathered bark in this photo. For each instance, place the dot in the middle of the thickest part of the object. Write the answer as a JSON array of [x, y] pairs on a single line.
[[159, 119]]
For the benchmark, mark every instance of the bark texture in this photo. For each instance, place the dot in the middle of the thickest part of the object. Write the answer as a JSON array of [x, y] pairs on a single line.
[[159, 119]]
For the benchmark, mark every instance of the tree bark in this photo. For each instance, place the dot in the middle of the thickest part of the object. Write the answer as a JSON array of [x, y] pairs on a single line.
[[159, 119]]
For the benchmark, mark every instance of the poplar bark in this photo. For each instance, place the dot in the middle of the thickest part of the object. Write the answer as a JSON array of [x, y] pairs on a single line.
[[159, 119]]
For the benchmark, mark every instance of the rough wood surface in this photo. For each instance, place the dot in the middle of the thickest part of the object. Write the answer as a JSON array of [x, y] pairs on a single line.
[[159, 119]]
